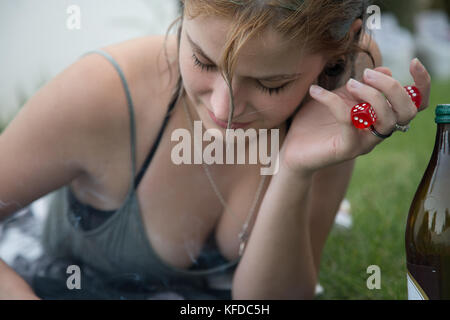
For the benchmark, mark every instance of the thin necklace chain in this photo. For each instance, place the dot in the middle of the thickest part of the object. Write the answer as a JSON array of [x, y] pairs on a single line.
[[243, 235]]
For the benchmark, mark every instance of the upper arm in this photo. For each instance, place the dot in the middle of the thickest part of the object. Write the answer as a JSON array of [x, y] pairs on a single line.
[[49, 141], [328, 189]]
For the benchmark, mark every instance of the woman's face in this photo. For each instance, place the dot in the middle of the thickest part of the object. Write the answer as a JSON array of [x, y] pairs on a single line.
[[272, 75]]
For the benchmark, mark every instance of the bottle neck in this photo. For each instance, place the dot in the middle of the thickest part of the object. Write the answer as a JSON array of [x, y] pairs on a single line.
[[442, 146]]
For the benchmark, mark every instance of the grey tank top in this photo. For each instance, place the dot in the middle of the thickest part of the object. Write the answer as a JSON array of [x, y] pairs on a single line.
[[119, 245]]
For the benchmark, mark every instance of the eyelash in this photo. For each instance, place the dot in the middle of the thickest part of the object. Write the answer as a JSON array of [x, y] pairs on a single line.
[[264, 89]]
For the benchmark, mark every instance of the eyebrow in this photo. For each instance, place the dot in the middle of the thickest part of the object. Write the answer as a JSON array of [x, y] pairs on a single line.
[[276, 77]]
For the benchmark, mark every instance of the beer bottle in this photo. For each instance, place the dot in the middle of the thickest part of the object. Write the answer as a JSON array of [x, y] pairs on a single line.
[[427, 236]]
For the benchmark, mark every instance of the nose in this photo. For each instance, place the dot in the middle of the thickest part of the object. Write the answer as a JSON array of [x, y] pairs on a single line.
[[220, 100]]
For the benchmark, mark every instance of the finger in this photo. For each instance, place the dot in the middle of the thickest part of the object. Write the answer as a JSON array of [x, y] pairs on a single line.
[[402, 105], [422, 80], [338, 108], [385, 114], [384, 70]]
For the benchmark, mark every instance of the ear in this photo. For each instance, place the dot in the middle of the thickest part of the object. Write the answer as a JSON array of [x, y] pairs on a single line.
[[329, 77], [334, 67], [355, 28]]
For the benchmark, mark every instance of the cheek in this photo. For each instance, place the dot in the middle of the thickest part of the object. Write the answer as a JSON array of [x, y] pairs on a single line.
[[270, 112], [278, 109]]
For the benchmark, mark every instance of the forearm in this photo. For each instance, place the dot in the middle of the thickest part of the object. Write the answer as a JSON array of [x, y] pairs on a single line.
[[12, 286], [332, 182], [278, 261]]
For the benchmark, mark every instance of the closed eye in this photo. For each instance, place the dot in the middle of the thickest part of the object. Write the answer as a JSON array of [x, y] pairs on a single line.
[[211, 67]]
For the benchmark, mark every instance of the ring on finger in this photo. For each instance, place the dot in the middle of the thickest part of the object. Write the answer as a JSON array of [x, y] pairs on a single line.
[[380, 135], [402, 128]]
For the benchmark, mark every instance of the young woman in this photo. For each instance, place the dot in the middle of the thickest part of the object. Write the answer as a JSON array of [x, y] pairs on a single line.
[[296, 66]]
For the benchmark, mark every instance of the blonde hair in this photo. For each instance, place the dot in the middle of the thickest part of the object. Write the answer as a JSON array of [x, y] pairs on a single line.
[[319, 26]]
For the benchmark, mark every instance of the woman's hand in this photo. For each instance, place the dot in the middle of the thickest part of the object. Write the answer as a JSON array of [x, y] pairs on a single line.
[[322, 133]]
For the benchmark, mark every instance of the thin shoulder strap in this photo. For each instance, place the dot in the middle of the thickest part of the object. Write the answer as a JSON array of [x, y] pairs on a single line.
[[130, 107]]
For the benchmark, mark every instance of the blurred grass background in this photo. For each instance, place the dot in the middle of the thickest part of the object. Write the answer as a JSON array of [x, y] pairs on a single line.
[[381, 190]]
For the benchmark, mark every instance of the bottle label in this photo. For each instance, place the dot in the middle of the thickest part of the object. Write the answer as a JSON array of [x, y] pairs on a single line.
[[414, 290], [423, 282]]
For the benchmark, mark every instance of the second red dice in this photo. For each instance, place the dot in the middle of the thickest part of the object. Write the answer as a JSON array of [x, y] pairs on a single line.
[[415, 95]]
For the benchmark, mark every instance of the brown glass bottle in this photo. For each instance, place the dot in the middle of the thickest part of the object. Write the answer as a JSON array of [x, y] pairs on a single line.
[[427, 236]]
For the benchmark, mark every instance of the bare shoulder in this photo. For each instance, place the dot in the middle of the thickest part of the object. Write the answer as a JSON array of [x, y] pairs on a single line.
[[150, 78], [70, 127], [150, 67], [146, 71]]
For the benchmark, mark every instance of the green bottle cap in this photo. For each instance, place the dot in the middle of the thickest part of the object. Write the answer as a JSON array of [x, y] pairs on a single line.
[[443, 113]]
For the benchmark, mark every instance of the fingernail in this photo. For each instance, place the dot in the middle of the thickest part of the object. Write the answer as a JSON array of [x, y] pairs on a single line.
[[370, 74], [418, 65], [316, 89], [354, 83]]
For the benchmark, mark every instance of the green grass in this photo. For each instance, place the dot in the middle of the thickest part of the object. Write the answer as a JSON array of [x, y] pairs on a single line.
[[381, 190]]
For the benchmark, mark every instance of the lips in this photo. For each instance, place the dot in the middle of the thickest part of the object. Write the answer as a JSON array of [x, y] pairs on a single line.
[[234, 125]]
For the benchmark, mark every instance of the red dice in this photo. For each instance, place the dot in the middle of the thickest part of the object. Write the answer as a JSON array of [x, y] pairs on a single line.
[[363, 115], [415, 95]]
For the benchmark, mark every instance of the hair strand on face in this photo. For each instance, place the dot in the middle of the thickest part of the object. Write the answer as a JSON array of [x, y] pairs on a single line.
[[230, 115]]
